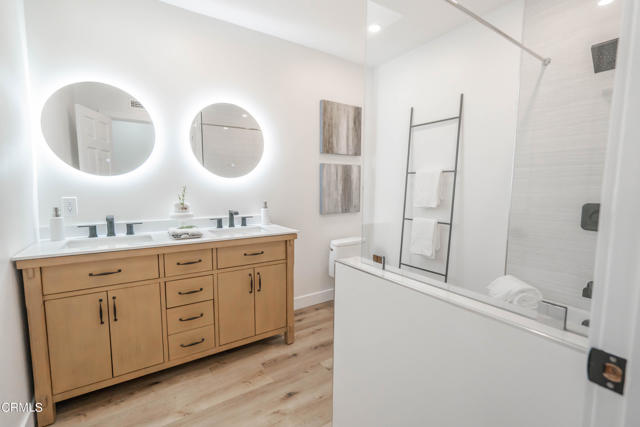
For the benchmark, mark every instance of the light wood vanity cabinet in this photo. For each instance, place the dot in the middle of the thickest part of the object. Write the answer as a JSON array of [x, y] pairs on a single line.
[[135, 321], [84, 356], [271, 297], [236, 304], [100, 335], [100, 319], [252, 301]]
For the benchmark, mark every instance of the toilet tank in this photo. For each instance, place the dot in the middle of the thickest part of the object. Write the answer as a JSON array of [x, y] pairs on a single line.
[[343, 248]]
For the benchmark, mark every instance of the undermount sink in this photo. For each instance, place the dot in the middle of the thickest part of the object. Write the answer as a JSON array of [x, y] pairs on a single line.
[[237, 231], [108, 242]]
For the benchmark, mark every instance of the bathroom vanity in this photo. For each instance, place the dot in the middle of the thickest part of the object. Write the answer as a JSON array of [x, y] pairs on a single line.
[[104, 311]]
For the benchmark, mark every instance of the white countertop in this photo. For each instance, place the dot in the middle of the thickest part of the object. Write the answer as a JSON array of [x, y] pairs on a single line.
[[49, 249], [471, 301]]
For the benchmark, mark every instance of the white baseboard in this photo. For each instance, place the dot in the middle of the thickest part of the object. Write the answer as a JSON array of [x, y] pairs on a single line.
[[313, 298], [28, 420]]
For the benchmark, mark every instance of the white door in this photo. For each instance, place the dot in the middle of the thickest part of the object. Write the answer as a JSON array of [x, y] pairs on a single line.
[[615, 323], [93, 130]]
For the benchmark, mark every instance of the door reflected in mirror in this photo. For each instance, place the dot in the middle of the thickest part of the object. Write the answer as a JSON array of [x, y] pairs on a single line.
[[97, 128], [226, 140]]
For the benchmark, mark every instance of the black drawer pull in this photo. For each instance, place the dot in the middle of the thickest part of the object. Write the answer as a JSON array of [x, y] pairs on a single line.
[[195, 291], [193, 343], [115, 310], [251, 285], [259, 282], [101, 318], [190, 318], [188, 262], [106, 273], [253, 253]]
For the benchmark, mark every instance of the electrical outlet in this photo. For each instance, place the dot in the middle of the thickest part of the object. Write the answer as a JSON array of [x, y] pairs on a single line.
[[69, 206]]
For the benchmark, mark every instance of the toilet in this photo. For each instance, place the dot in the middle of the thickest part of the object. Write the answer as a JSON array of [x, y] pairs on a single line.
[[343, 248]]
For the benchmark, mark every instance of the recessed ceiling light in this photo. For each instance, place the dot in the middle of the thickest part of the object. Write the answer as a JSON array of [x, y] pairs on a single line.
[[245, 115], [225, 128], [605, 2], [374, 28]]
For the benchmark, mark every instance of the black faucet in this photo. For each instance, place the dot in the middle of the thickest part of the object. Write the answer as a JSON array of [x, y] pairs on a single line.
[[111, 226], [232, 222]]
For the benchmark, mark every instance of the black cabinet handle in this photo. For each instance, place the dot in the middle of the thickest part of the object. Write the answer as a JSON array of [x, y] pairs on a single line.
[[251, 287], [188, 262], [101, 319], [195, 291], [253, 253], [193, 343], [190, 318], [106, 273], [259, 282], [115, 310]]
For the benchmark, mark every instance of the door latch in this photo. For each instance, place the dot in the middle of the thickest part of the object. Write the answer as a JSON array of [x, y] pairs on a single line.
[[606, 370]]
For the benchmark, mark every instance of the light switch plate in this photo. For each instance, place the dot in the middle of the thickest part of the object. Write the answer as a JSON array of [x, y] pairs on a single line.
[[69, 206]]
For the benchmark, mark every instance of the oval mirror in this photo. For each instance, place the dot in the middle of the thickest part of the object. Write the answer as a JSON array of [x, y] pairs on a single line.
[[97, 128], [226, 140]]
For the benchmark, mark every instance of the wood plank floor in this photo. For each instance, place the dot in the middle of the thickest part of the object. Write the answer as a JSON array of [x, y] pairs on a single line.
[[262, 384]]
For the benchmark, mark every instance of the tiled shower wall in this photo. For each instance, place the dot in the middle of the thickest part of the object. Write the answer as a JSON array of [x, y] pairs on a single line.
[[560, 149]]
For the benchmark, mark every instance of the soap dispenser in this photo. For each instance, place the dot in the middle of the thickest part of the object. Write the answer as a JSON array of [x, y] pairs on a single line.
[[56, 225], [265, 218]]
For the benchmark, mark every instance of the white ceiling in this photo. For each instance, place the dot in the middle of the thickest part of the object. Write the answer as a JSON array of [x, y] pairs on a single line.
[[338, 27], [422, 20]]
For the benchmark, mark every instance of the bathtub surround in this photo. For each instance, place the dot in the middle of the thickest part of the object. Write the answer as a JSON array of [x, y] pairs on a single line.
[[18, 217], [190, 61], [560, 149], [491, 367]]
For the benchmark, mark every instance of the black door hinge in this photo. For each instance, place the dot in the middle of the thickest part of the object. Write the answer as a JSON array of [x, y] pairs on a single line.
[[606, 370]]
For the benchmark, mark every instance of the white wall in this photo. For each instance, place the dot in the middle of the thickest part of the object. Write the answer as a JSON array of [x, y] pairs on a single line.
[[470, 60], [17, 217], [175, 63], [424, 357], [562, 140]]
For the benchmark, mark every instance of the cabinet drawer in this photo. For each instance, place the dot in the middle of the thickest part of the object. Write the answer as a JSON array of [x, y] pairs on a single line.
[[188, 262], [84, 275], [190, 342], [187, 317], [188, 291], [250, 254]]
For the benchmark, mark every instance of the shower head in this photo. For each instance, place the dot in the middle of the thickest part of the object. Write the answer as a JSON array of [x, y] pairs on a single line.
[[604, 55]]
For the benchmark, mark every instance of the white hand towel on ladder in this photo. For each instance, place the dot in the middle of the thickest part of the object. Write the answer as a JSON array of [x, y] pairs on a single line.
[[427, 189], [425, 238]]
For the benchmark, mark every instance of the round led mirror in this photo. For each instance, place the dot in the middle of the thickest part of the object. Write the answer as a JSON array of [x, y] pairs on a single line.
[[226, 140], [97, 128]]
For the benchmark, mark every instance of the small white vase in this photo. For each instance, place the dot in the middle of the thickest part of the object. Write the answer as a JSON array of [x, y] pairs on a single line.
[[180, 208]]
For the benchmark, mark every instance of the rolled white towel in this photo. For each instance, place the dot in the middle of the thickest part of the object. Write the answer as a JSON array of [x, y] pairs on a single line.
[[179, 233], [511, 289]]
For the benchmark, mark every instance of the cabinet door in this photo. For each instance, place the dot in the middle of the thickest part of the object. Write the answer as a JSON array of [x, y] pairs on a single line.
[[78, 337], [236, 291], [271, 298], [136, 328]]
